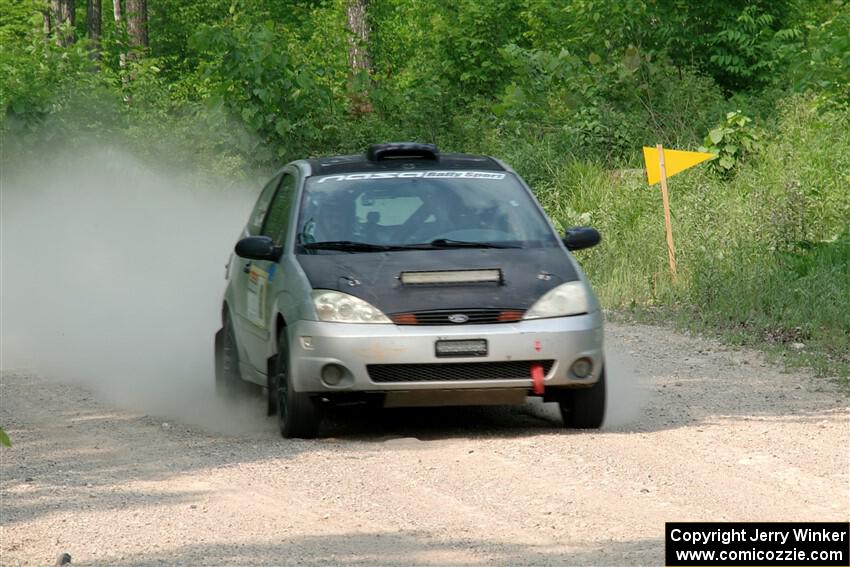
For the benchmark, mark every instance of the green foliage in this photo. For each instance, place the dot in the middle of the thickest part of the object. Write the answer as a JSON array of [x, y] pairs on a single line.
[[607, 108], [822, 65], [4, 439], [745, 51], [731, 141], [588, 77], [592, 29], [173, 24], [469, 35], [255, 76], [740, 45], [436, 60]]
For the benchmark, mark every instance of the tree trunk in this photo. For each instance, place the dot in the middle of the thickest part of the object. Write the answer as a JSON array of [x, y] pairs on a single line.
[[63, 14], [46, 14], [358, 56], [116, 10], [358, 41], [137, 24], [93, 22], [122, 55], [69, 17]]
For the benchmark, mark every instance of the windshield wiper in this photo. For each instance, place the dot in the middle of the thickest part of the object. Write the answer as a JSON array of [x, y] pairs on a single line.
[[348, 246], [449, 243]]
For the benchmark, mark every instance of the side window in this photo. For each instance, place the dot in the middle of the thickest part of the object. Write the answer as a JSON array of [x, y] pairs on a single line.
[[263, 201], [277, 219]]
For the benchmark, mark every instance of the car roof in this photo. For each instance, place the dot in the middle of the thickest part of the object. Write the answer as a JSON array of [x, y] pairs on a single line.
[[361, 163]]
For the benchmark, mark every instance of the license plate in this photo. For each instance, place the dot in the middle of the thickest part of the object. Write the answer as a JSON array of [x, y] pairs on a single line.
[[468, 347]]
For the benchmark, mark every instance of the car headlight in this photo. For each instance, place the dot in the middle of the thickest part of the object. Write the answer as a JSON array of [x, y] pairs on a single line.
[[570, 298], [338, 307]]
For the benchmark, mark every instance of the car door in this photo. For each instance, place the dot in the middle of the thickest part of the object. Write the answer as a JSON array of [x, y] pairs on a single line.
[[259, 274], [241, 268]]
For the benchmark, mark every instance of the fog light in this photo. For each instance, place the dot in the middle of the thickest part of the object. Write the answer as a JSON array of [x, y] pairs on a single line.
[[582, 367], [332, 374]]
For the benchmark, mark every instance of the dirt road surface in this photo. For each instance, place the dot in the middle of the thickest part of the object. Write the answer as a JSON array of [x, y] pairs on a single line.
[[698, 431]]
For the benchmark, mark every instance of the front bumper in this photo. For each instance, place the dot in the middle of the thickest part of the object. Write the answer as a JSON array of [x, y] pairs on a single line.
[[314, 344]]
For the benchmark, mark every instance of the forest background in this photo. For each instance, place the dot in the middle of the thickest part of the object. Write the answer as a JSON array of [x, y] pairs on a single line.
[[565, 91]]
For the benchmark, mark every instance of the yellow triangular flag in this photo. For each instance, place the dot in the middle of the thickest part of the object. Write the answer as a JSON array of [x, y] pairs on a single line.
[[675, 161]]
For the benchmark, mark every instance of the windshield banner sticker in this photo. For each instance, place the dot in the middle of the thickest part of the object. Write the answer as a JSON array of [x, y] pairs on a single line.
[[414, 174]]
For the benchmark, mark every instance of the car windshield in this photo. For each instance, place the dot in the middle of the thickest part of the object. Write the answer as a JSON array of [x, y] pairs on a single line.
[[371, 212]]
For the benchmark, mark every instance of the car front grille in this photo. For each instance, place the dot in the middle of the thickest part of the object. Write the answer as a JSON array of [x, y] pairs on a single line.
[[472, 317], [453, 372]]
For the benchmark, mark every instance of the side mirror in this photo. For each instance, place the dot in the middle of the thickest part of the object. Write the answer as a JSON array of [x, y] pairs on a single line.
[[258, 248], [579, 237]]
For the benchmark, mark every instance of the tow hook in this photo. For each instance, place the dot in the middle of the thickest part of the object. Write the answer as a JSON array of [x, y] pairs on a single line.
[[537, 379]]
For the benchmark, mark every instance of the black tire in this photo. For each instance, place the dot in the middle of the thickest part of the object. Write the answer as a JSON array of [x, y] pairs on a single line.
[[228, 380], [298, 413], [584, 408], [271, 393]]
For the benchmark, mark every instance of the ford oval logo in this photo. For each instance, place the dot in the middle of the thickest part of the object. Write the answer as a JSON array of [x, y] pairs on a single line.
[[458, 318]]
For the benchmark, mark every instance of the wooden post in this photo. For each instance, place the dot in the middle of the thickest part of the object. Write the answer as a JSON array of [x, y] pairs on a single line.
[[671, 251]]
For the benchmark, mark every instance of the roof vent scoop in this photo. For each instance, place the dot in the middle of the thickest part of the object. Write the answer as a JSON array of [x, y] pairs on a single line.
[[402, 150]]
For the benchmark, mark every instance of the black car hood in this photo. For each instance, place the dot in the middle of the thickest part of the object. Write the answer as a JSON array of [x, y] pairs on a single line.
[[527, 274]]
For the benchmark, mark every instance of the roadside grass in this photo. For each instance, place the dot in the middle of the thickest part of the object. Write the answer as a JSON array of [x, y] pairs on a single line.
[[763, 254]]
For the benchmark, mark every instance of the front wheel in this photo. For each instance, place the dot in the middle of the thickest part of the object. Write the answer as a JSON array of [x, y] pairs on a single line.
[[585, 408], [298, 413]]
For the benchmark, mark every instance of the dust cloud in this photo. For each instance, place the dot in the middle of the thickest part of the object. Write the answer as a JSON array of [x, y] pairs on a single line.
[[112, 275], [628, 395]]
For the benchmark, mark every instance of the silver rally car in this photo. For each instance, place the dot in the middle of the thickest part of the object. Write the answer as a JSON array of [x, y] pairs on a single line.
[[408, 277]]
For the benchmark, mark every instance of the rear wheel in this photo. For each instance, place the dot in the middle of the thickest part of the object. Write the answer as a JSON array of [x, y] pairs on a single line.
[[298, 413], [228, 380], [585, 408]]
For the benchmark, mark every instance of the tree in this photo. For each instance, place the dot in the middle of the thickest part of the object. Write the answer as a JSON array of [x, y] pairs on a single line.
[[46, 14], [358, 56], [122, 54], [137, 25], [93, 20], [63, 16], [119, 26]]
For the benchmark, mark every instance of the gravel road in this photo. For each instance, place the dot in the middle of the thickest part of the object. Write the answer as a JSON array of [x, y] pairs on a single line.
[[698, 431]]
